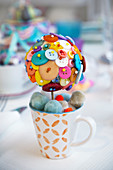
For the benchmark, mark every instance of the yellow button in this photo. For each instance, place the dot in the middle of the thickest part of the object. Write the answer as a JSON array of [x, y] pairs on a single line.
[[39, 79], [34, 66], [70, 54]]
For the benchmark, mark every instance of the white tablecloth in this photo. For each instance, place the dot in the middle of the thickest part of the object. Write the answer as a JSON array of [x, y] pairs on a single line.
[[19, 149]]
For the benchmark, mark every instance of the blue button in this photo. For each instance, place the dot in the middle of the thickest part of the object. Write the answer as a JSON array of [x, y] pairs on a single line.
[[51, 54], [77, 62], [39, 58]]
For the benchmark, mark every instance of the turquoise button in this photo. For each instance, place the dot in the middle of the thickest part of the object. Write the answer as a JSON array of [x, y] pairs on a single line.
[[77, 62], [39, 58]]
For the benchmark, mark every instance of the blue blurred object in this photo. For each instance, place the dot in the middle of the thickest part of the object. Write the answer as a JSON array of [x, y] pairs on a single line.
[[72, 29]]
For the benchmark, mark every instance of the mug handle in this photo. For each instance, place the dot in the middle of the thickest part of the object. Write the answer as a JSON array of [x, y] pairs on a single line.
[[92, 126]]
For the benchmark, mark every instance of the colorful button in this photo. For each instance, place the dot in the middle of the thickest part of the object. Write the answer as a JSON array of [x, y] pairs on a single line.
[[77, 62], [69, 84], [32, 78], [51, 54], [62, 53], [35, 67], [70, 54], [64, 72], [64, 82], [56, 46], [30, 54], [37, 49], [78, 52], [69, 87], [59, 36], [70, 39], [50, 38], [46, 46], [30, 69], [74, 73], [49, 71], [65, 44], [39, 58], [56, 80], [84, 64], [52, 87], [39, 79], [70, 63], [39, 43], [73, 50], [62, 62]]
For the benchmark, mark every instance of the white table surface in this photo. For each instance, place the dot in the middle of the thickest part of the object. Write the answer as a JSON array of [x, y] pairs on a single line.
[[19, 149]]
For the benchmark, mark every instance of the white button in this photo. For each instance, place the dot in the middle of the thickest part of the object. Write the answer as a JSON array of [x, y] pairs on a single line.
[[65, 44], [62, 62], [51, 54]]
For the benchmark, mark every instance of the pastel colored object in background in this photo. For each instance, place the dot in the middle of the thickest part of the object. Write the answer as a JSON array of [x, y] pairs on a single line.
[[72, 29]]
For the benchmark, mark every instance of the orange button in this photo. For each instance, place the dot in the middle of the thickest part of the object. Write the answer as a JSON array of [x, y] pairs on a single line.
[[29, 69], [40, 81], [50, 38], [49, 71], [74, 73]]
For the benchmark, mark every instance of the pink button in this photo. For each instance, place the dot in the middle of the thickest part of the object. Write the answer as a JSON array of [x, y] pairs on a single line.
[[73, 50], [64, 72], [30, 54], [70, 63], [62, 53]]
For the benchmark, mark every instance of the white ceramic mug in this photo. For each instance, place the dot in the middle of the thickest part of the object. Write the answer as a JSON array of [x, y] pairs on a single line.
[[55, 132], [12, 78]]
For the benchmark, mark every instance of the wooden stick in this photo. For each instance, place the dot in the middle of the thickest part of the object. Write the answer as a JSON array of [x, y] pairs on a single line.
[[52, 95]]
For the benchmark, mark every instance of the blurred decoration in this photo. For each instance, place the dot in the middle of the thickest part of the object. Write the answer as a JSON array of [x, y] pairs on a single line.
[[24, 12], [72, 29], [107, 32], [21, 30], [28, 22]]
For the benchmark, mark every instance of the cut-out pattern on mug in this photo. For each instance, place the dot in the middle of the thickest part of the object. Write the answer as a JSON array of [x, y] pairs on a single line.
[[65, 130], [38, 128], [52, 139], [46, 130], [55, 149], [64, 148], [46, 140], [55, 123], [55, 141], [65, 122], [64, 139], [37, 119], [55, 132], [39, 135], [45, 122], [46, 147]]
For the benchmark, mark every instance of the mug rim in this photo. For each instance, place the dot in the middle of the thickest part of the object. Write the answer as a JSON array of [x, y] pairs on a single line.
[[51, 112]]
